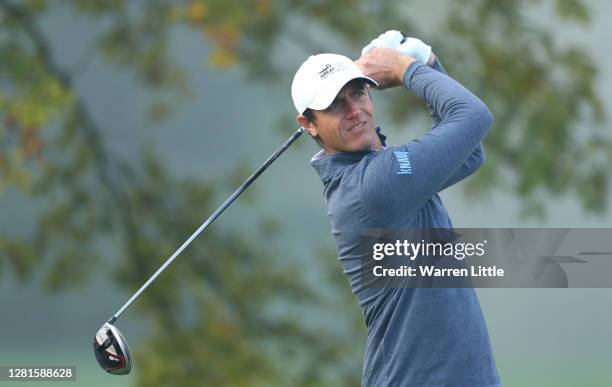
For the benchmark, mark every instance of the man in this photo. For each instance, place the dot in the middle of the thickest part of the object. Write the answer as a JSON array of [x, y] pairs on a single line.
[[416, 337]]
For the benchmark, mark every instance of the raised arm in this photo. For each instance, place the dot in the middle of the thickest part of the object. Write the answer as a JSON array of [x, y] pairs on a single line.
[[422, 52], [408, 175], [477, 157]]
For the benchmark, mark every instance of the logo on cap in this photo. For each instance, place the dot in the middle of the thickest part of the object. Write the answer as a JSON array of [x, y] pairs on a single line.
[[329, 69]]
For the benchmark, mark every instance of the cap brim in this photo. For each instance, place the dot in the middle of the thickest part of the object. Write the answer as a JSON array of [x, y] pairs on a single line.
[[327, 96]]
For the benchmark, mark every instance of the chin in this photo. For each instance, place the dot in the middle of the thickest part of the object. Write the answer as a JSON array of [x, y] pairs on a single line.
[[369, 140], [364, 145]]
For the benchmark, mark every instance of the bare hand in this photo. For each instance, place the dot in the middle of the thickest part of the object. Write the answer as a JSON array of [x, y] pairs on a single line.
[[385, 65]]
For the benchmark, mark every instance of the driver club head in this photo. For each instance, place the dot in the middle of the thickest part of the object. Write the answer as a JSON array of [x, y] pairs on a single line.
[[112, 351]]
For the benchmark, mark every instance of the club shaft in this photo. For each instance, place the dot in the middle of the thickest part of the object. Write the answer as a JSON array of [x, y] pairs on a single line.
[[208, 221]]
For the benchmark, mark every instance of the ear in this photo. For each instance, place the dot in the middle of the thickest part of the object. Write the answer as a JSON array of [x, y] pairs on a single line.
[[309, 126]]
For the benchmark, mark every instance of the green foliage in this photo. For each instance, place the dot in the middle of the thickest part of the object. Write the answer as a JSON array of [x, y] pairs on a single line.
[[573, 10], [542, 94], [18, 256], [30, 98], [234, 312], [539, 88]]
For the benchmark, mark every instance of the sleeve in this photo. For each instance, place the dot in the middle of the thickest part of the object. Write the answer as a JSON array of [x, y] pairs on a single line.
[[436, 65], [398, 181], [477, 157], [470, 166]]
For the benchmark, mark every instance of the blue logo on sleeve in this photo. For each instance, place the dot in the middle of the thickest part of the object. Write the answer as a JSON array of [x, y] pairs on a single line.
[[404, 163]]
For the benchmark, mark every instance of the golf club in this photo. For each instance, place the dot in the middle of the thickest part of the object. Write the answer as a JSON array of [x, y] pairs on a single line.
[[110, 347]]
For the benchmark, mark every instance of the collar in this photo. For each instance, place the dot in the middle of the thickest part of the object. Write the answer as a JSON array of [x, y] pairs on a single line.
[[328, 165]]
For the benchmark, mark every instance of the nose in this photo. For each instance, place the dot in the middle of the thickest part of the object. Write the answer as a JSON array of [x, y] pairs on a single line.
[[351, 108]]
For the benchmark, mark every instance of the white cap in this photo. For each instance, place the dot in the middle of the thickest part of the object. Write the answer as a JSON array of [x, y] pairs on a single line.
[[320, 78]]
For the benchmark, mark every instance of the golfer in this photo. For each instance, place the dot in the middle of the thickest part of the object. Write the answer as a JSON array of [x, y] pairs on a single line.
[[416, 337]]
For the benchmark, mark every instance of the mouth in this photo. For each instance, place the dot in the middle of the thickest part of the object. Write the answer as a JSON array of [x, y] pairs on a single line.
[[357, 126]]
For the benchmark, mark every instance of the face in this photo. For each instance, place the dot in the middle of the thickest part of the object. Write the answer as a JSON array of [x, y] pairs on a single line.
[[347, 125]]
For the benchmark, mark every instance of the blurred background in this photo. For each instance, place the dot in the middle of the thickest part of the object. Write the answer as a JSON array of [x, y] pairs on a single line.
[[123, 125]]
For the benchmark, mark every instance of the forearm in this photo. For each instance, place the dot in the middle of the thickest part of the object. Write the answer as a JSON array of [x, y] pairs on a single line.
[[451, 150], [435, 63], [463, 114], [476, 159], [432, 59]]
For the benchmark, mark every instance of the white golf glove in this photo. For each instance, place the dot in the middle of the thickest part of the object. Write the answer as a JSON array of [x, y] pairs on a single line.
[[390, 39], [408, 46], [415, 48]]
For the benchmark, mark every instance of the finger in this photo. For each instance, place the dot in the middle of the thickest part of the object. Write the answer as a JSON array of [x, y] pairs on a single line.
[[389, 39], [373, 44], [367, 49], [394, 37], [359, 64]]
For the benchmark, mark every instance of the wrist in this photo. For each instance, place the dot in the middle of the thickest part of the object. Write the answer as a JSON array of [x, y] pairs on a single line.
[[432, 59], [403, 66], [408, 75]]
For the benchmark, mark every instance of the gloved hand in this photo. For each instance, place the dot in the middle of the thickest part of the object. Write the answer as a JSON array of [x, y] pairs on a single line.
[[415, 48], [408, 46], [389, 39]]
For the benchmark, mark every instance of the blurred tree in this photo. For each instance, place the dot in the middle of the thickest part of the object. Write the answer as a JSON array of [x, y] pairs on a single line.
[[250, 325], [547, 138]]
